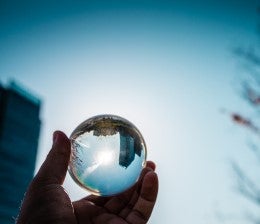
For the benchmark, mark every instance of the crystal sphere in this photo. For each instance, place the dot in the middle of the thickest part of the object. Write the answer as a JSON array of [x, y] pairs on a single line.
[[108, 155]]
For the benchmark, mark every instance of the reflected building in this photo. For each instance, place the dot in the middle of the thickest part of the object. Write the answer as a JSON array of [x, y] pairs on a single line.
[[129, 147], [19, 134], [127, 150]]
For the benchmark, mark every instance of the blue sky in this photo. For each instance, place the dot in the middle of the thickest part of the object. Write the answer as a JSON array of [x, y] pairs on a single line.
[[166, 66]]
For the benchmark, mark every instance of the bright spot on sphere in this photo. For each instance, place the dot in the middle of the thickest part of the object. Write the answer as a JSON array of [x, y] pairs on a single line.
[[105, 157], [108, 155]]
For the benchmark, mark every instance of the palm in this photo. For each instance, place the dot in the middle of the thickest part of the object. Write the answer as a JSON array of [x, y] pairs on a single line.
[[132, 206]]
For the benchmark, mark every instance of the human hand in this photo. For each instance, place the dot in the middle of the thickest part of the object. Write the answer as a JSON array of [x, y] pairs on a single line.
[[46, 201]]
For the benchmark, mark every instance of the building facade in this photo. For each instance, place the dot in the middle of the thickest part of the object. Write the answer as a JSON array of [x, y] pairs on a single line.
[[19, 133]]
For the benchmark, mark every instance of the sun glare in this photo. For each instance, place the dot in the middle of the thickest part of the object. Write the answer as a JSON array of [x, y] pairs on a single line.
[[105, 157]]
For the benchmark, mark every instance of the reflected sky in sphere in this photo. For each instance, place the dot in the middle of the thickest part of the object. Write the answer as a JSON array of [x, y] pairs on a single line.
[[108, 155]]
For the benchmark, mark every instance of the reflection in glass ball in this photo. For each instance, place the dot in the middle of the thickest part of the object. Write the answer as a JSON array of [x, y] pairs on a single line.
[[108, 154]]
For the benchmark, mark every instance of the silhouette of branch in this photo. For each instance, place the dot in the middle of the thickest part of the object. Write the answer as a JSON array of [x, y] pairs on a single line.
[[237, 118], [246, 186], [250, 58], [248, 54], [253, 147], [251, 95]]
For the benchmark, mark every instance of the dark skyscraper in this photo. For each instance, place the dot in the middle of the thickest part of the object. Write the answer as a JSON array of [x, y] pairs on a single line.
[[127, 150], [19, 134]]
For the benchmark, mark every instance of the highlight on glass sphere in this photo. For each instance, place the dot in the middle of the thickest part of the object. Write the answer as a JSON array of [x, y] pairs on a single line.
[[108, 155]]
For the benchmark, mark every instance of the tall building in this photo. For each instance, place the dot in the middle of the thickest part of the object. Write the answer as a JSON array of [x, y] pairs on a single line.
[[19, 134], [127, 150]]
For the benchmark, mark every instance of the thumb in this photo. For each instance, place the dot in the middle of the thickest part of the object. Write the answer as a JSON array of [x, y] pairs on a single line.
[[54, 168]]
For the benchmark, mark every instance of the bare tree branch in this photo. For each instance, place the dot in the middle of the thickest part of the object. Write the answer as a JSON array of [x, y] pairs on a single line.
[[248, 54], [237, 118], [255, 149], [251, 94], [246, 186]]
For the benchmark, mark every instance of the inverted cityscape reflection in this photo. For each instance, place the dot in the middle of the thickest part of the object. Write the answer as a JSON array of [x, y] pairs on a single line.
[[108, 155]]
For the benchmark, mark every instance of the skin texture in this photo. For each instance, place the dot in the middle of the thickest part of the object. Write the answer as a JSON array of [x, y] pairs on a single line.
[[46, 201]]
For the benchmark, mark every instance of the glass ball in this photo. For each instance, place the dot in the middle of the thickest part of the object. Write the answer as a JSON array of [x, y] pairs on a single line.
[[108, 155]]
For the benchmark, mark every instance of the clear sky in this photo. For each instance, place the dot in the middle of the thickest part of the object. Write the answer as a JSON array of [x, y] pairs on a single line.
[[166, 66]]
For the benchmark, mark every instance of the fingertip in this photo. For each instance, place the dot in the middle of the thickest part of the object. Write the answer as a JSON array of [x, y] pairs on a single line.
[[54, 168], [61, 146], [151, 165], [59, 136]]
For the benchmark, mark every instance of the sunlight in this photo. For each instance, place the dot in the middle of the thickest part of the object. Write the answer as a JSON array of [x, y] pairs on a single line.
[[105, 157]]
